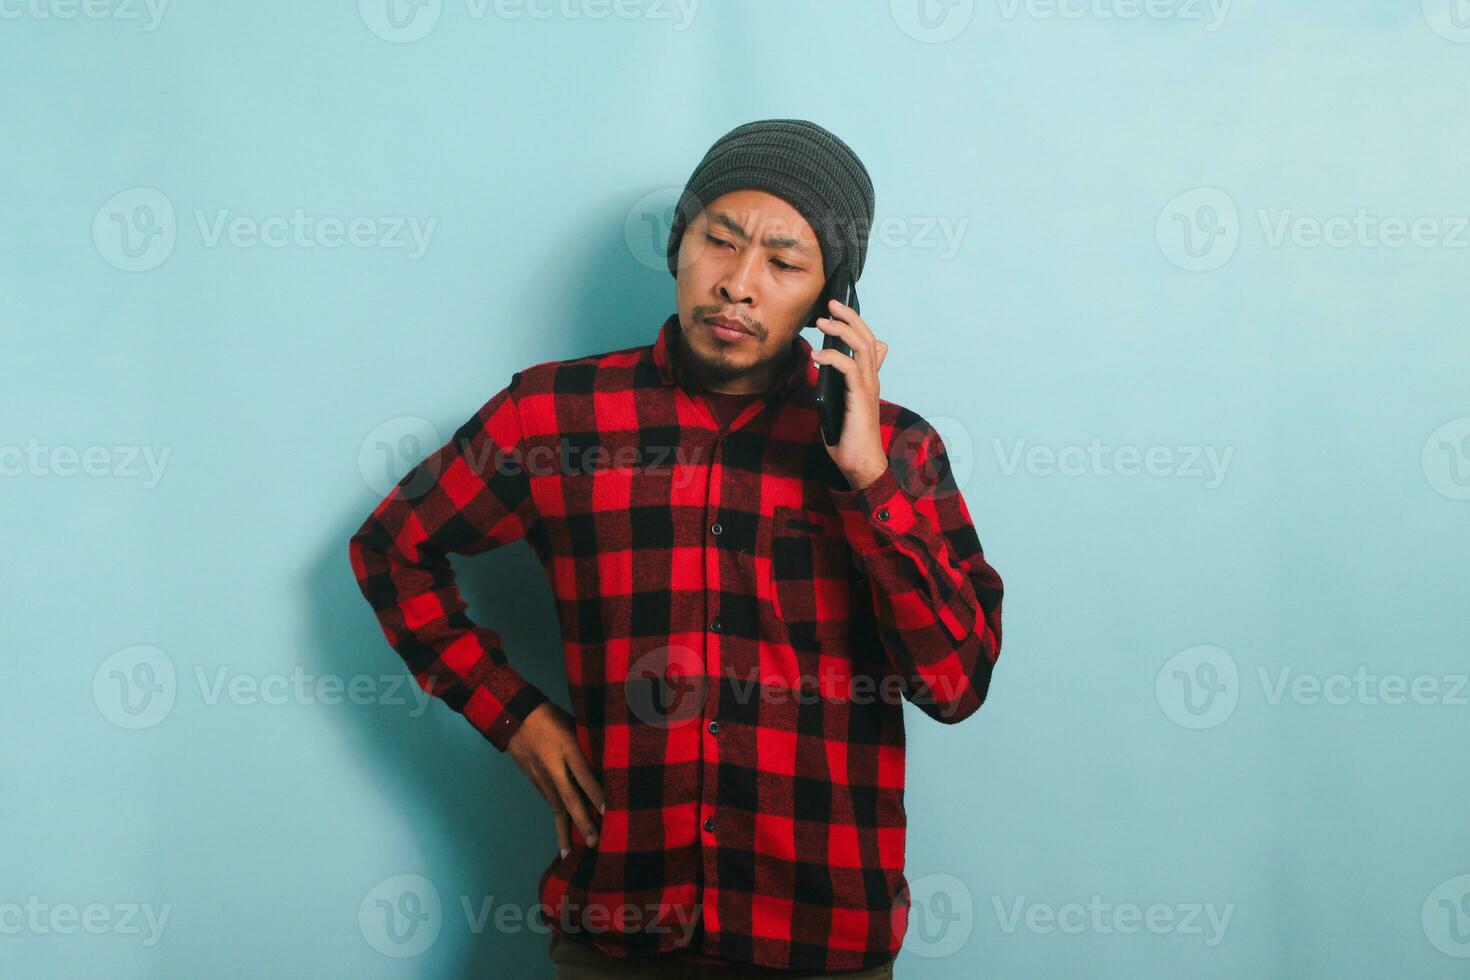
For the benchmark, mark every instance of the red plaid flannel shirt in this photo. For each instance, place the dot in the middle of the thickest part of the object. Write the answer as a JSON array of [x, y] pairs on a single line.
[[740, 631]]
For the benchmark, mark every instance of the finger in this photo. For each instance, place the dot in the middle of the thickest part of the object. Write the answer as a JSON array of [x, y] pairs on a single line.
[[543, 785], [852, 372], [882, 352], [563, 833], [587, 779], [862, 346], [572, 798], [837, 359], [558, 813], [842, 311], [854, 331]]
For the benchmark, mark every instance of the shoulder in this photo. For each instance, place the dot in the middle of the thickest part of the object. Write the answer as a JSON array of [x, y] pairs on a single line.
[[899, 421], [542, 388]]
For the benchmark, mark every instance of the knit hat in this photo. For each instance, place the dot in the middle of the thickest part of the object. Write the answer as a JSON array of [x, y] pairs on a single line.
[[798, 161]]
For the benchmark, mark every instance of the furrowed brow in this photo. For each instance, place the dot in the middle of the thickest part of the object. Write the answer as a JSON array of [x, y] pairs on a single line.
[[723, 219]]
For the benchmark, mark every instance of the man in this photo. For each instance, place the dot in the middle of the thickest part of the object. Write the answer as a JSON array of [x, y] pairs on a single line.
[[744, 608]]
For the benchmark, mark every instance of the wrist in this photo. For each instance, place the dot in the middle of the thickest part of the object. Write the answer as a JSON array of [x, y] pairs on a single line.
[[866, 477]]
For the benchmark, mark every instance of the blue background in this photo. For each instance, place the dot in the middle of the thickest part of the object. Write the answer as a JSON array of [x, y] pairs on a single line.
[[1112, 186]]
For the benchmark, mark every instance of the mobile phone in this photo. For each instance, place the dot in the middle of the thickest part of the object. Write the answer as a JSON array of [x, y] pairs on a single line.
[[831, 396]]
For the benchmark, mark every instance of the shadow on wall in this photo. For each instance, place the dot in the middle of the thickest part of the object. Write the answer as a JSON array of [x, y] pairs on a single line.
[[482, 828]]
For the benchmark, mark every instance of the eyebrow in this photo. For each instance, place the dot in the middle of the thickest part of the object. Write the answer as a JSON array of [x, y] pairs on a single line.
[[770, 241]]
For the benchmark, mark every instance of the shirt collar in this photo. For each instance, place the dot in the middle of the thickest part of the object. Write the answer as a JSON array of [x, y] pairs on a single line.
[[668, 351]]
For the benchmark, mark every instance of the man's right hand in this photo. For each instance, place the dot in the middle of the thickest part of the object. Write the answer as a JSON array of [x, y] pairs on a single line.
[[546, 749]]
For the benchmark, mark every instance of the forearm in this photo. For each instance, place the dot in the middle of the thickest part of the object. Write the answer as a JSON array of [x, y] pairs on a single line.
[[466, 497], [936, 600]]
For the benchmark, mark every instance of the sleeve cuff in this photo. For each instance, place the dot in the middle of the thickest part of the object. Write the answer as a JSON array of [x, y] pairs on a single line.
[[874, 515], [498, 720]]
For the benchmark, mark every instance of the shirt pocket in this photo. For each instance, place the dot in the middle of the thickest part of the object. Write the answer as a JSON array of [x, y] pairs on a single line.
[[811, 573]]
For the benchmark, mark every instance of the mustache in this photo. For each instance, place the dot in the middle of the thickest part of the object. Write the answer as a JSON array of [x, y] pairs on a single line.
[[754, 326]]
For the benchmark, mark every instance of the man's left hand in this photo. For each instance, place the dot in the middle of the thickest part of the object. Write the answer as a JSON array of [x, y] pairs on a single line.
[[858, 452]]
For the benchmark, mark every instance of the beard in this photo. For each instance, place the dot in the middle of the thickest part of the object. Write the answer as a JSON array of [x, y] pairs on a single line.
[[720, 368]]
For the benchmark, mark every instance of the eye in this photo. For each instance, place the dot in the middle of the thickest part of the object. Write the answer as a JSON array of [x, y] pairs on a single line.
[[783, 266], [717, 241]]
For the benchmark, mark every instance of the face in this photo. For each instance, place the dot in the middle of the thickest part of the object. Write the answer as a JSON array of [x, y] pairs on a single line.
[[749, 257]]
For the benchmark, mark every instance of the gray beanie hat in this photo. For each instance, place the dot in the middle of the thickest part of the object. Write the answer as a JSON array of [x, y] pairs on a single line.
[[798, 161]]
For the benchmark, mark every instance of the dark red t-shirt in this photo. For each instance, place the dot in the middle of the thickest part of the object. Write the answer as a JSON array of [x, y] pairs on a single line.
[[726, 406]]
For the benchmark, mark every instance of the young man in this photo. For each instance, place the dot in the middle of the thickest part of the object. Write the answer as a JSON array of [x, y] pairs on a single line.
[[744, 608]]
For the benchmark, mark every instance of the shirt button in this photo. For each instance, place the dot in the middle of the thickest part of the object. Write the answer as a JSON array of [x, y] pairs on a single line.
[[714, 728], [715, 528], [883, 514], [710, 825], [715, 624]]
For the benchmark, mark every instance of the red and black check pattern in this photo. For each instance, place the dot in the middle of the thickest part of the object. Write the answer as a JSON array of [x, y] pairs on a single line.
[[740, 631]]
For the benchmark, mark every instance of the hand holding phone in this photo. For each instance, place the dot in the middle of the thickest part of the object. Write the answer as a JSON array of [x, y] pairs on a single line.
[[831, 396]]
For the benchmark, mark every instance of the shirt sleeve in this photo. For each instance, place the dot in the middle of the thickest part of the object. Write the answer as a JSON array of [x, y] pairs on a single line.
[[468, 496], [936, 600]]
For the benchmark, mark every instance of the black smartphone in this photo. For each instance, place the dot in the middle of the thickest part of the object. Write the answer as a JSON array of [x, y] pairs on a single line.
[[831, 394]]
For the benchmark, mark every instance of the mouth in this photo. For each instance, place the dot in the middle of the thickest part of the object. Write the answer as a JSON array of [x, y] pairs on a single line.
[[727, 329]]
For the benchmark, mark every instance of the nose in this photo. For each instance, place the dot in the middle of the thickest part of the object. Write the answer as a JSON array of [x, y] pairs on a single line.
[[735, 286]]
